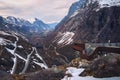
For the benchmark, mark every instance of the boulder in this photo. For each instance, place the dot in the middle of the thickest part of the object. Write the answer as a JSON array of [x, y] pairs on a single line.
[[105, 66]]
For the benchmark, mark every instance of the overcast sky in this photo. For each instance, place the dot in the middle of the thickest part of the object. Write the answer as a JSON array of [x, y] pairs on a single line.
[[46, 10]]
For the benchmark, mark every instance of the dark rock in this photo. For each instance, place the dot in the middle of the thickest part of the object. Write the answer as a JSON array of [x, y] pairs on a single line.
[[5, 76], [106, 66]]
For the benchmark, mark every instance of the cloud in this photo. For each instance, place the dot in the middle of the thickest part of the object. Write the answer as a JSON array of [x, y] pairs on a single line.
[[5, 6], [47, 10]]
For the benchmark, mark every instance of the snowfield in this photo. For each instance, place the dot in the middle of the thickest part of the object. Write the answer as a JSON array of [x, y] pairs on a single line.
[[75, 75]]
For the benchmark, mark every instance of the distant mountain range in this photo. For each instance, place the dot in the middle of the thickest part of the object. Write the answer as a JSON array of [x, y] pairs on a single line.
[[24, 26], [36, 30]]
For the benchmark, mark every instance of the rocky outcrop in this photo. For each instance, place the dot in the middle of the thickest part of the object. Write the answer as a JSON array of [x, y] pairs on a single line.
[[106, 66]]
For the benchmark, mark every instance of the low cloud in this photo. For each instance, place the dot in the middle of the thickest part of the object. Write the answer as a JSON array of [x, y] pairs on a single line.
[[47, 10], [5, 6]]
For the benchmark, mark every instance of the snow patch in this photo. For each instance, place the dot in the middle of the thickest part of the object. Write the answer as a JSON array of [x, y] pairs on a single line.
[[9, 50], [75, 75], [2, 41], [21, 57], [74, 71], [106, 3], [109, 3], [3, 59], [27, 61], [74, 14], [14, 65], [3, 33], [13, 53], [42, 64], [66, 38], [20, 46]]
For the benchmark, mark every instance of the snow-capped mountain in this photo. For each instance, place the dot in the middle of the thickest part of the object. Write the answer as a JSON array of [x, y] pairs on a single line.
[[75, 7], [90, 21], [17, 21], [40, 26], [107, 3], [25, 28]]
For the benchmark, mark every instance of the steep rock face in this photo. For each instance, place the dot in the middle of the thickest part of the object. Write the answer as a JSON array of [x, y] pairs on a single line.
[[75, 7], [97, 21]]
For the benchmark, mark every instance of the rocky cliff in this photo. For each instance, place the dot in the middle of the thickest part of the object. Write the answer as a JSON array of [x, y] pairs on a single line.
[[96, 21]]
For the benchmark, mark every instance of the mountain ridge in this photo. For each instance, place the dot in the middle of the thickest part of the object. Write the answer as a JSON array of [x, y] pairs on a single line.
[[37, 30], [95, 22]]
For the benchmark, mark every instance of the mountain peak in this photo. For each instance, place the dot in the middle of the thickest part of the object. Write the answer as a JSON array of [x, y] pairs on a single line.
[[36, 19], [76, 6], [94, 21]]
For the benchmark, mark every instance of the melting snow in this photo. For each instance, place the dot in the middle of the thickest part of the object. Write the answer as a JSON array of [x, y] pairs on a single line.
[[74, 71], [3, 33], [75, 75], [107, 3], [2, 58], [27, 61], [14, 65], [42, 65], [2, 41], [11, 51], [21, 57], [20, 46], [66, 38]]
